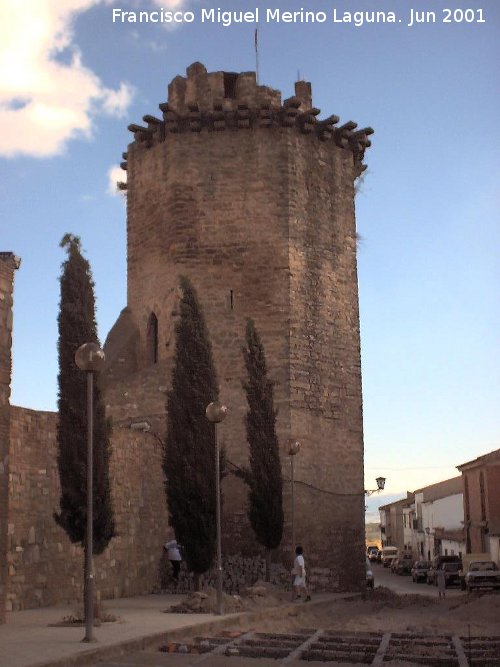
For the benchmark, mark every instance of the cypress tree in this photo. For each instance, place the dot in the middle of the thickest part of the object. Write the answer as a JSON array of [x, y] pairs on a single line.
[[77, 325], [189, 461], [264, 477]]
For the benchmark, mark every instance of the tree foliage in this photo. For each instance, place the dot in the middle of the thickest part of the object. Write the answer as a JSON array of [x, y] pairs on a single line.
[[264, 477], [77, 325], [189, 462]]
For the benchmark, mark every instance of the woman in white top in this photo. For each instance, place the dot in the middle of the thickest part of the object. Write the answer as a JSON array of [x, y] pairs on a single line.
[[174, 556], [299, 570]]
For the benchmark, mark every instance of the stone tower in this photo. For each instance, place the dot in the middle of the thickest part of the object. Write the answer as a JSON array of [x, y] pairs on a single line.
[[253, 200]]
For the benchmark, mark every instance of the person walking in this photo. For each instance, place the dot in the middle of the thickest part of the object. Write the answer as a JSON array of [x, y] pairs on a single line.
[[441, 582], [299, 570], [173, 550]]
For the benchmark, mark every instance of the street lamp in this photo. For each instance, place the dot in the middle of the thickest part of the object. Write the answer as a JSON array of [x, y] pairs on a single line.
[[216, 413], [380, 487], [293, 449], [89, 358]]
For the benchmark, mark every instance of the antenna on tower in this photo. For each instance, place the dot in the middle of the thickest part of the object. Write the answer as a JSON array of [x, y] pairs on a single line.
[[256, 42]]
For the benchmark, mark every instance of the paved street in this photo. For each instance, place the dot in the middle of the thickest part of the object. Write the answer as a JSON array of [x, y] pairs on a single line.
[[404, 584]]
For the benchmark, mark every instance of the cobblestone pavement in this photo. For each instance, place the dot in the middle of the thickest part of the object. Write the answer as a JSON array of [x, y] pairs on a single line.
[[315, 647]]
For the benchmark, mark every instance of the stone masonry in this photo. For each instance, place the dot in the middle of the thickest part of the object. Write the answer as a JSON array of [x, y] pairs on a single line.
[[8, 264], [253, 200], [44, 567]]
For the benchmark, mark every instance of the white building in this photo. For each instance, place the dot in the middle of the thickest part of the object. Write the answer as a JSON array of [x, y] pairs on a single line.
[[429, 521]]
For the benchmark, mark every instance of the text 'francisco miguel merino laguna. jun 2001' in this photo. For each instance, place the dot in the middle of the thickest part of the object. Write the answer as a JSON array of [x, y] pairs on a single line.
[[409, 17]]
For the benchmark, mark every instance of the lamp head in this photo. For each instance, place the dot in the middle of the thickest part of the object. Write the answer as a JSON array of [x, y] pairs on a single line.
[[216, 412], [89, 357]]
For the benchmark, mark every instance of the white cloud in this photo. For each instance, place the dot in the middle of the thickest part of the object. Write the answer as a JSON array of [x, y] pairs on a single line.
[[43, 102], [170, 4], [116, 174], [116, 102]]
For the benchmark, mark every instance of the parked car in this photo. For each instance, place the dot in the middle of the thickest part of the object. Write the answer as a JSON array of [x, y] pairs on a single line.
[[437, 562], [452, 573], [467, 559], [402, 565], [419, 570], [388, 555], [481, 574], [370, 580]]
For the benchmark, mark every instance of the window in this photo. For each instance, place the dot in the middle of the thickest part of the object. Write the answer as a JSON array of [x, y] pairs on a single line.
[[230, 85], [482, 495], [152, 339]]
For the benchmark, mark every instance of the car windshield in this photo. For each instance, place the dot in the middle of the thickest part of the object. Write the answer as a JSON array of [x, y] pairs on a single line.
[[452, 567], [476, 567]]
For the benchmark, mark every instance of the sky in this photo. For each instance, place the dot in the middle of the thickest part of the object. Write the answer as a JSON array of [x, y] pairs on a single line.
[[72, 79]]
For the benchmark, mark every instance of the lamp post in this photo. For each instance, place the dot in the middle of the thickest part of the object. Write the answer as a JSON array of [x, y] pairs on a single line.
[[89, 358], [380, 486], [216, 413], [293, 449]]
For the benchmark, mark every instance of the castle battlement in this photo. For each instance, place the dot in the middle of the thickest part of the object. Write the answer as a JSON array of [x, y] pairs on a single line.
[[226, 101]]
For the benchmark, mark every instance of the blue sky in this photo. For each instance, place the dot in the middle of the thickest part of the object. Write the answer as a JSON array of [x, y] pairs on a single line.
[[71, 81]]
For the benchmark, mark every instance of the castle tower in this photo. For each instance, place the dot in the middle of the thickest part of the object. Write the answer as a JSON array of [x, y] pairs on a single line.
[[253, 200]]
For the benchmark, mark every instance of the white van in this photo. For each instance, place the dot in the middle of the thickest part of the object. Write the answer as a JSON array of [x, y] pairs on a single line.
[[388, 555]]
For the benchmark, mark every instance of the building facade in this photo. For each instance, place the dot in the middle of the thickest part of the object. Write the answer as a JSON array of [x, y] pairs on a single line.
[[252, 198], [481, 483], [439, 514], [393, 520], [428, 522]]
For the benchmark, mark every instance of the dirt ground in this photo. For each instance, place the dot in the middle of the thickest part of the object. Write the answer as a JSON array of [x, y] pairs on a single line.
[[380, 610]]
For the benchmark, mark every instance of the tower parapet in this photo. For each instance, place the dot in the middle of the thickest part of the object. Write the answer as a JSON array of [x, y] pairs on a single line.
[[219, 101]]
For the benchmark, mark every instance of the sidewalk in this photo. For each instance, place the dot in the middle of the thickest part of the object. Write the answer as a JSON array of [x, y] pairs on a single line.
[[28, 640]]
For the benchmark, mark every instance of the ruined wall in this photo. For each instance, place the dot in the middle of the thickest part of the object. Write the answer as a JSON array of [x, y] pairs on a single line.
[[254, 201], [44, 567], [8, 263]]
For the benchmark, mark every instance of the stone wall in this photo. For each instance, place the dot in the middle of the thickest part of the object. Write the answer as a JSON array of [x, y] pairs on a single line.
[[8, 263], [253, 200], [44, 567]]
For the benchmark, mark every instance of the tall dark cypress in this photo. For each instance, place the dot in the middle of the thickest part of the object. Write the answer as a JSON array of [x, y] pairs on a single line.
[[264, 477], [77, 325], [189, 462]]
